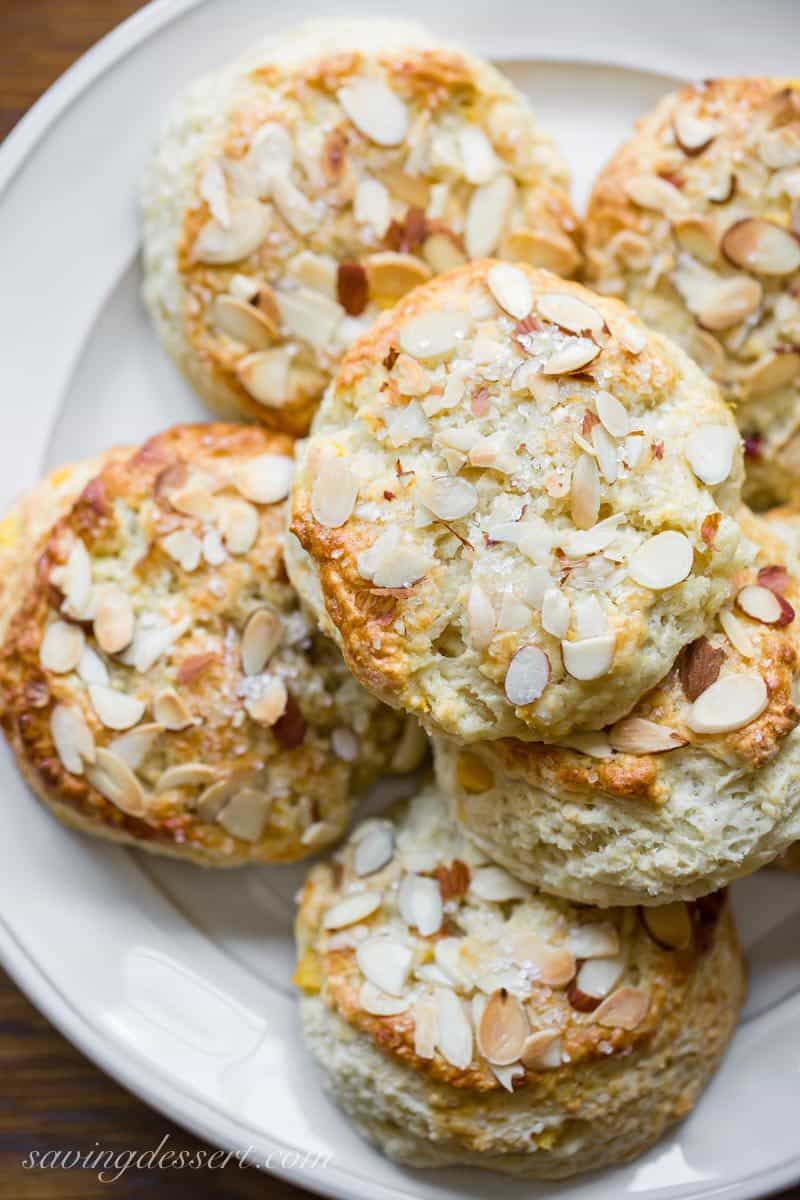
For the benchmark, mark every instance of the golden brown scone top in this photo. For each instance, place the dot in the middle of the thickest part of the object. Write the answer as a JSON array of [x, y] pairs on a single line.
[[695, 221], [530, 480], [341, 181], [159, 681], [749, 656], [467, 975]]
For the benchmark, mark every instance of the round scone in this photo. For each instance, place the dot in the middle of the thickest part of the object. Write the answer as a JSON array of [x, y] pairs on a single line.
[[309, 185], [160, 685], [516, 506], [696, 223], [458, 1017], [697, 787]]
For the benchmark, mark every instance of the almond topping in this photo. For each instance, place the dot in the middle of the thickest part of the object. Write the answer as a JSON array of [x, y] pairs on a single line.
[[352, 909], [261, 638], [542, 1050], [265, 479], [710, 450], [527, 676], [574, 355], [442, 253], [589, 658], [334, 493], [598, 940], [774, 577], [219, 244], [374, 850], [670, 925], [238, 524], [511, 289], [269, 703], [692, 133], [433, 334], [570, 313], [186, 775], [699, 666], [736, 634], [585, 493], [502, 1029], [420, 903], [385, 962], [480, 618], [133, 747], [245, 816], [762, 604], [378, 1003], [391, 275], [487, 213], [635, 735], [72, 738], [626, 1009], [62, 647], [771, 372], [352, 288], [454, 1031], [375, 111], [115, 709], [114, 779], [243, 322], [184, 548], [448, 497], [662, 561], [265, 376], [170, 711], [496, 885], [761, 247], [730, 703], [595, 979], [613, 415]]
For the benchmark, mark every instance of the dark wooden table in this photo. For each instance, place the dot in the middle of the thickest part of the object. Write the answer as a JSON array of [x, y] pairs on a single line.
[[51, 1097]]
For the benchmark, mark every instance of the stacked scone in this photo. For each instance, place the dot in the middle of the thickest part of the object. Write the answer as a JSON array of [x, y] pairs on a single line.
[[517, 523]]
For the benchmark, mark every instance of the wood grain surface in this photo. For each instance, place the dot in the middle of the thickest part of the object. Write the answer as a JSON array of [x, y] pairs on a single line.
[[51, 1097]]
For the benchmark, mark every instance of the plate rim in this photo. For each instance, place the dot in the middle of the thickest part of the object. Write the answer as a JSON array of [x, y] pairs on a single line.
[[130, 1069]]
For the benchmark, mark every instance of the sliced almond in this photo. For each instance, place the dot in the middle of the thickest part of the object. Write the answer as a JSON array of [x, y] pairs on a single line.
[[487, 213], [115, 709], [730, 703], [650, 191], [114, 779], [574, 355], [385, 962], [541, 248], [246, 229], [454, 1036], [243, 322], [589, 658], [718, 302], [635, 735], [261, 638], [480, 618], [310, 315], [598, 940], [184, 548], [527, 676], [625, 1009], [542, 1050], [442, 253], [270, 703], [511, 289], [134, 746], [710, 451], [345, 744], [186, 774], [265, 479], [595, 980], [265, 376], [585, 493], [571, 313], [670, 925], [91, 668], [494, 884], [378, 1003], [375, 110], [170, 711], [698, 236], [736, 634], [420, 902], [448, 496], [352, 909], [114, 622], [334, 493], [391, 275], [503, 1029], [238, 523], [662, 561], [764, 605], [432, 335], [555, 612], [374, 850], [613, 415], [692, 132], [426, 1028], [771, 372], [412, 190], [72, 738], [352, 288], [75, 581], [761, 246], [246, 815], [699, 666], [62, 647]]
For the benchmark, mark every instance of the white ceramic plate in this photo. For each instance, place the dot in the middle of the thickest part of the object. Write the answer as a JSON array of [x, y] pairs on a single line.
[[176, 980]]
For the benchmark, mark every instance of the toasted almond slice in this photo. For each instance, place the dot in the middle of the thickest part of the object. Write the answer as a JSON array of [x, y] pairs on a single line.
[[511, 289], [114, 622], [375, 110], [718, 302], [635, 735], [736, 633], [503, 1029], [170, 711], [574, 355], [613, 415], [62, 647], [114, 779], [420, 904], [625, 1009], [480, 618], [115, 709], [487, 213], [448, 496], [571, 313], [187, 774], [345, 744], [265, 376], [692, 132], [246, 814], [761, 246], [352, 909], [730, 703], [442, 253], [426, 1028], [243, 322], [662, 561], [698, 236], [454, 1036], [778, 148], [72, 738], [541, 248], [238, 523], [595, 980], [432, 335], [771, 372], [246, 229], [334, 493], [651, 191], [134, 746], [265, 479], [310, 315], [75, 581], [496, 885], [214, 190], [553, 966], [542, 1050], [710, 450], [527, 676], [378, 1003], [589, 658], [385, 962], [261, 638], [606, 450], [555, 612], [721, 189], [391, 275], [410, 376], [585, 493], [268, 706], [184, 548], [670, 925], [597, 940], [764, 605], [91, 667], [374, 850]]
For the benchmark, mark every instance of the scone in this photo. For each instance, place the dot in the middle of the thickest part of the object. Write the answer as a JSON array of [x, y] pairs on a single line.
[[698, 786], [460, 1018], [517, 505], [160, 685], [310, 184], [695, 222]]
